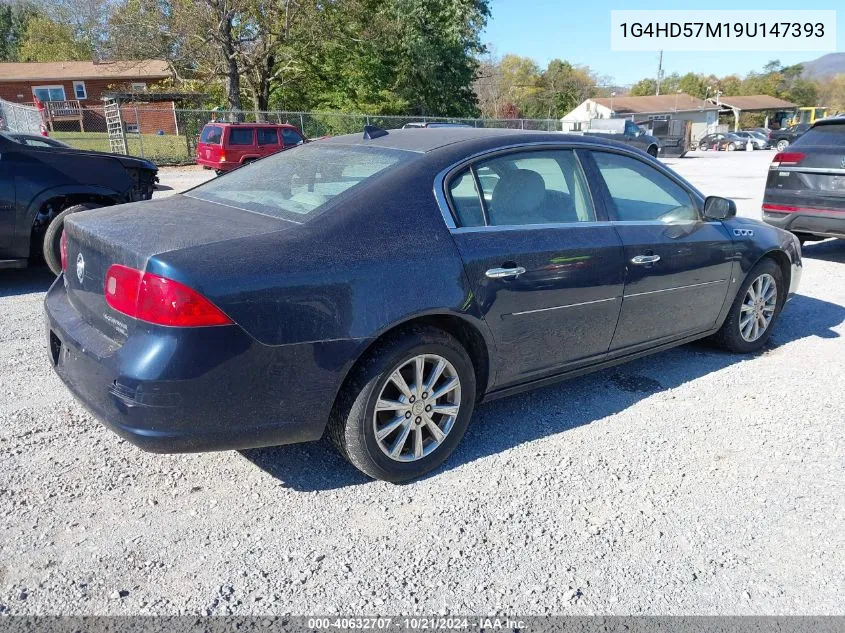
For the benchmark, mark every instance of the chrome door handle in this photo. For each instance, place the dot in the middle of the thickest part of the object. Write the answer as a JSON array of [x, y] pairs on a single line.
[[645, 259], [502, 273]]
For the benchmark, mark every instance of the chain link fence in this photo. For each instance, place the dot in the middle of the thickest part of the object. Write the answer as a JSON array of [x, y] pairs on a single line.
[[169, 136], [22, 119]]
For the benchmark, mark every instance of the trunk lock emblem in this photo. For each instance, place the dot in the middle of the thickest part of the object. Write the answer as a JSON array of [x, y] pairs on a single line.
[[80, 267]]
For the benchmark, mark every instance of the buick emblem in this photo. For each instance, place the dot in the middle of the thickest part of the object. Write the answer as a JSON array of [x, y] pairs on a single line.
[[80, 267]]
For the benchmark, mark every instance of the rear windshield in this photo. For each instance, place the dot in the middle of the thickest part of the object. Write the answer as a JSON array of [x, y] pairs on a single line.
[[832, 134], [211, 134], [300, 181]]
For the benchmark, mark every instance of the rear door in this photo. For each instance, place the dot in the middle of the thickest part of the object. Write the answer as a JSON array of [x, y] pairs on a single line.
[[677, 265], [809, 177], [240, 143], [546, 268], [268, 140]]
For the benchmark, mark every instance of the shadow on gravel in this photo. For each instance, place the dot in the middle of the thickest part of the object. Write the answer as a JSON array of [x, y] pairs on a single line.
[[22, 281], [503, 424], [829, 251]]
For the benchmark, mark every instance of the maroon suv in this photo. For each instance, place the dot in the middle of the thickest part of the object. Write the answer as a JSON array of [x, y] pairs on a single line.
[[226, 146]]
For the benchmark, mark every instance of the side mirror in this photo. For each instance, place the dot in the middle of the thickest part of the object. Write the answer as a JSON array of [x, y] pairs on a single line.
[[717, 208]]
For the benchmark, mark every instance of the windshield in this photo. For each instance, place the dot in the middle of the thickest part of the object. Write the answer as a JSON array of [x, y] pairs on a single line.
[[300, 181]]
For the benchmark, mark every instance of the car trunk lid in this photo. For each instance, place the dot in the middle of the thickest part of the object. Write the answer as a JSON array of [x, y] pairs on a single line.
[[132, 234]]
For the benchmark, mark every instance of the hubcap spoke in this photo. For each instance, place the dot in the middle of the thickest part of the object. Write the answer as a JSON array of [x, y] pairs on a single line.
[[399, 442], [435, 374], [436, 433], [419, 370], [391, 426], [390, 405], [397, 379], [418, 442], [446, 388], [445, 409]]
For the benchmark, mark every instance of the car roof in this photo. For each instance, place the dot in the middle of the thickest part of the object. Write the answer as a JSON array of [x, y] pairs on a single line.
[[248, 124], [432, 139]]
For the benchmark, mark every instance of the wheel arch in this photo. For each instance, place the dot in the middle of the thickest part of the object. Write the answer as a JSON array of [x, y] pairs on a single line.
[[48, 204], [469, 334]]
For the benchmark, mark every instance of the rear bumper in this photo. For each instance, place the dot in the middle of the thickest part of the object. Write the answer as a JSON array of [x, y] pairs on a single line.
[[830, 223], [217, 166], [171, 390]]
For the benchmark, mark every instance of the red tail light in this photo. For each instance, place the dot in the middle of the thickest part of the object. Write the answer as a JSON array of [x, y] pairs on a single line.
[[786, 159], [63, 249], [155, 299]]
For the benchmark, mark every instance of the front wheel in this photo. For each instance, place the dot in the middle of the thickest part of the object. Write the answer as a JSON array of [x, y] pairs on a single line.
[[755, 310], [53, 236], [731, 147], [703, 147], [407, 406]]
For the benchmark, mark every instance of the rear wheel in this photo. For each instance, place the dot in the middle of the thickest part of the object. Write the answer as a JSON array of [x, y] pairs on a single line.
[[755, 310], [731, 147], [53, 236], [782, 144], [703, 147], [407, 406]]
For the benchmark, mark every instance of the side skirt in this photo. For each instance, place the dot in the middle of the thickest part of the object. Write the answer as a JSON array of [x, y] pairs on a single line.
[[551, 380]]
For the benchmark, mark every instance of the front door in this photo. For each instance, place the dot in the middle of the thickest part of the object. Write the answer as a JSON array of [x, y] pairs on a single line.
[[8, 211], [678, 266], [547, 272]]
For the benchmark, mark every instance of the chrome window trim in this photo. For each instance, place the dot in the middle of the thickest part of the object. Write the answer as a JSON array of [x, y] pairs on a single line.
[[441, 196]]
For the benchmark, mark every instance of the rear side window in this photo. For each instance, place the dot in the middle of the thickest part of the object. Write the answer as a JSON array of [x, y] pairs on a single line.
[[268, 136], [523, 188], [211, 134], [640, 193], [291, 137], [301, 181], [241, 135], [833, 134]]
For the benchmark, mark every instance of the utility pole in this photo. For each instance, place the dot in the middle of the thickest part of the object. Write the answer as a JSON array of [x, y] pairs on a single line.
[[659, 73]]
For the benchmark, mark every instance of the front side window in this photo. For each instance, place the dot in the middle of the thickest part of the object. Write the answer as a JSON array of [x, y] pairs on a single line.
[[523, 188], [241, 135], [268, 136], [641, 193], [291, 137], [300, 182]]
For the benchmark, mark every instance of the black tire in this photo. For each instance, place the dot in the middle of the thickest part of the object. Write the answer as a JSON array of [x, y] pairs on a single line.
[[731, 147], [652, 151], [351, 427], [782, 145], [219, 172], [703, 147], [729, 335], [53, 236]]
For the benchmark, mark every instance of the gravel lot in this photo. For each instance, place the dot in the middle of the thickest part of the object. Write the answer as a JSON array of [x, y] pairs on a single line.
[[693, 481]]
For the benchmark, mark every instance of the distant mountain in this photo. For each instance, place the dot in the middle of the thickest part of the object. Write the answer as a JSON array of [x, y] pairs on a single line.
[[824, 66]]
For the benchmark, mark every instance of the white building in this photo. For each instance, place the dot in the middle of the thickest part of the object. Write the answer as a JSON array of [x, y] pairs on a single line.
[[703, 114]]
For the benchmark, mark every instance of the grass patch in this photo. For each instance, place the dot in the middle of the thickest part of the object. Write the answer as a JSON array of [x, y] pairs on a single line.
[[166, 149]]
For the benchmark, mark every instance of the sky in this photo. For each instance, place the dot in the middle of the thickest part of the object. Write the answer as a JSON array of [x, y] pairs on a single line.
[[579, 32]]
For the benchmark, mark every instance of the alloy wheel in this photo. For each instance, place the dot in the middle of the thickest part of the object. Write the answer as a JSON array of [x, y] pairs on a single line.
[[758, 308], [417, 407]]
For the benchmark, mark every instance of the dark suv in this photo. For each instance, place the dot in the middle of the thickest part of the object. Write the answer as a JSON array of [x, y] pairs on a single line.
[[41, 185], [781, 139]]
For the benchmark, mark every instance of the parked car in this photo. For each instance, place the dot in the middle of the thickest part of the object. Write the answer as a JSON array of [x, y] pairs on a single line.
[[721, 141], [764, 131], [37, 140], [782, 138], [41, 185], [227, 146], [805, 189], [624, 131], [377, 288], [431, 124], [757, 141]]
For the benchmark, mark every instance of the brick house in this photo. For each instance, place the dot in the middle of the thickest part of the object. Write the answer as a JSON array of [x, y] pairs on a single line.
[[72, 92]]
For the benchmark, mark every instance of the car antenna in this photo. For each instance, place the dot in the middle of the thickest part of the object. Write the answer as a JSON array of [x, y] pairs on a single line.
[[371, 132]]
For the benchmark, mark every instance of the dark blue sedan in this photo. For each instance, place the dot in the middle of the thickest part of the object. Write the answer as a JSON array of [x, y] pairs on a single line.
[[377, 288]]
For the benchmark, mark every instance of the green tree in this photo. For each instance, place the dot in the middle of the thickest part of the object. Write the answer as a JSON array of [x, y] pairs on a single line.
[[644, 87], [47, 41], [694, 85], [14, 19]]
